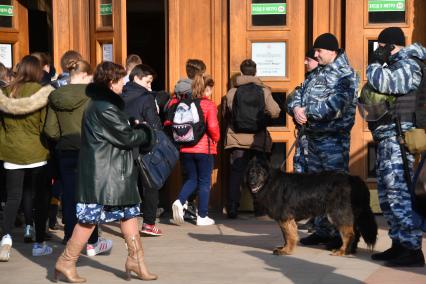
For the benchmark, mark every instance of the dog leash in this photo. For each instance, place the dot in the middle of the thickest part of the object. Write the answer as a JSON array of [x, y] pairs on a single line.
[[299, 134], [282, 167]]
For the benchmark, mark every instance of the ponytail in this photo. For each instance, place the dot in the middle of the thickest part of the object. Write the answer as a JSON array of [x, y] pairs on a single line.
[[198, 86], [78, 66]]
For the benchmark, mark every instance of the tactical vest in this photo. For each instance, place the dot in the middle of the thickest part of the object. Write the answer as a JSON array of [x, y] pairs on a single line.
[[409, 107]]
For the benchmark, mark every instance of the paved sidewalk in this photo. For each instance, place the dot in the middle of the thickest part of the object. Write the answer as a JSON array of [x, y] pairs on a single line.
[[232, 251]]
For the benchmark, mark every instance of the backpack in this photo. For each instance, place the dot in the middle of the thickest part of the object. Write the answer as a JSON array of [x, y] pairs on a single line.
[[248, 109], [186, 121]]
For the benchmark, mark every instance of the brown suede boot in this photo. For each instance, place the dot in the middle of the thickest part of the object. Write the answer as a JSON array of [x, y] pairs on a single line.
[[67, 261], [135, 262]]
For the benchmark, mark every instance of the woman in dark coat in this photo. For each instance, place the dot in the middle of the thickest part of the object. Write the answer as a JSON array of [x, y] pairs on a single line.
[[107, 176], [63, 125]]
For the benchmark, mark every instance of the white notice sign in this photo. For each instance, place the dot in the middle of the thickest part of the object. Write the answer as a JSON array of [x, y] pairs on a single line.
[[6, 54], [107, 54], [270, 58]]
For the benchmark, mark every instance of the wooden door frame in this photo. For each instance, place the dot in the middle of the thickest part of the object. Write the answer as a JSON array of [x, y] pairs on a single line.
[[17, 35], [116, 35]]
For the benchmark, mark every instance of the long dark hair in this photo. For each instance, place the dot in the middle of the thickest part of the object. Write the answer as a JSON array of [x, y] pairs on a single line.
[[29, 70]]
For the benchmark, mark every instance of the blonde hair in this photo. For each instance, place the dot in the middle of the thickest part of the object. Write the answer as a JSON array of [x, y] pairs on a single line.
[[199, 85], [132, 60]]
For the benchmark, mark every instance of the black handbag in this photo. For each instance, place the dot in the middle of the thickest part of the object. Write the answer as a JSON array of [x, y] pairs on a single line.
[[157, 164]]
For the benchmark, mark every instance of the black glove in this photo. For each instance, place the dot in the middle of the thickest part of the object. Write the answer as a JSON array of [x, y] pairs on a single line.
[[151, 138], [381, 54]]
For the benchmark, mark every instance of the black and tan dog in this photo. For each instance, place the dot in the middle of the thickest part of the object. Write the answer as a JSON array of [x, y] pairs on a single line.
[[289, 197]]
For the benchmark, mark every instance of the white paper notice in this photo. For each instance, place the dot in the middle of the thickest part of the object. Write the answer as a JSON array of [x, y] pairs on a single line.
[[6, 55], [107, 52], [270, 58]]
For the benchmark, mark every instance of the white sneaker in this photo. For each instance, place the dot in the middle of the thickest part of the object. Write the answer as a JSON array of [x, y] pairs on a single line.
[[177, 208], [102, 246], [40, 249], [5, 247], [206, 221], [28, 234]]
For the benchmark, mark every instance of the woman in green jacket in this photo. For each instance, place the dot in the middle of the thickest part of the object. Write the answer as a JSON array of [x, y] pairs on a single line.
[[63, 124], [25, 157], [107, 189]]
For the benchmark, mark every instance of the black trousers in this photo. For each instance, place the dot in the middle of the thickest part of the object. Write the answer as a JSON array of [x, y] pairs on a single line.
[[39, 185], [150, 198], [239, 160], [3, 195], [68, 162]]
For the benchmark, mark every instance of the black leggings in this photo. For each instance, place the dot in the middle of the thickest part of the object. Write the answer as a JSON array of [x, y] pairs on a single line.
[[37, 183]]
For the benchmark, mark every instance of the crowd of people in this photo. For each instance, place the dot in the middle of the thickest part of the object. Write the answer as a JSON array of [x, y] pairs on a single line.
[[77, 131]]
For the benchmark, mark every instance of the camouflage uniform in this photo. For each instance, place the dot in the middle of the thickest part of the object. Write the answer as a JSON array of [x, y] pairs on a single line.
[[401, 76], [296, 99], [330, 108], [300, 159]]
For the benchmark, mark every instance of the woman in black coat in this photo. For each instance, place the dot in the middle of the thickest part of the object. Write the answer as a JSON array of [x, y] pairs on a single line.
[[107, 176]]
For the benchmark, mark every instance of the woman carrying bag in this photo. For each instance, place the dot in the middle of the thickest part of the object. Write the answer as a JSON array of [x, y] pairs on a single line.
[[63, 125], [107, 175]]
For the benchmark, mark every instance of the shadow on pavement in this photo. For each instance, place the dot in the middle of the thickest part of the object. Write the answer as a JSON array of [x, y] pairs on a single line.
[[302, 271], [48, 262]]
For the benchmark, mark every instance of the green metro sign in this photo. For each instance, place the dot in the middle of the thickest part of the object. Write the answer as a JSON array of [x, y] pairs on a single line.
[[386, 5], [106, 9], [6, 10], [269, 9]]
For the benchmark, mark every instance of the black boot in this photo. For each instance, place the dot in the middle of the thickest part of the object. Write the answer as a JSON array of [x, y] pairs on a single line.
[[232, 210], [407, 258], [334, 243], [314, 239], [389, 253], [309, 225]]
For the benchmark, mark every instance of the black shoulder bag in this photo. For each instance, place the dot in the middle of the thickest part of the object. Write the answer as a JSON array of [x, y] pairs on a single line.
[[157, 164]]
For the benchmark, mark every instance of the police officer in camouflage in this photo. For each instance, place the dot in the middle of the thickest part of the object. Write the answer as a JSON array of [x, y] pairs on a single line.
[[327, 117], [395, 71], [300, 158], [296, 98]]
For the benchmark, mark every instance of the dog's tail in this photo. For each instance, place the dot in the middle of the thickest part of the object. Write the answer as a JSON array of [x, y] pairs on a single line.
[[365, 221]]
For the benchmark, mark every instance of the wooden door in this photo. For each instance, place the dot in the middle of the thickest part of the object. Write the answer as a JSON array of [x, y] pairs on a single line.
[[13, 32], [364, 21], [108, 31], [198, 29], [71, 28], [273, 33]]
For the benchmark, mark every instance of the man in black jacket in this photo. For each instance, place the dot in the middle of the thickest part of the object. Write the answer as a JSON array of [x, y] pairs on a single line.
[[140, 105]]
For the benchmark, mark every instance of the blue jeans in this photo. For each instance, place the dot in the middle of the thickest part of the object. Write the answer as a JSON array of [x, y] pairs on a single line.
[[68, 162], [198, 169]]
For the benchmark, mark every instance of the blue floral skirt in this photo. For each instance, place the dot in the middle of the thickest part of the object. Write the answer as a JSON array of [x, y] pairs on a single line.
[[98, 214]]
